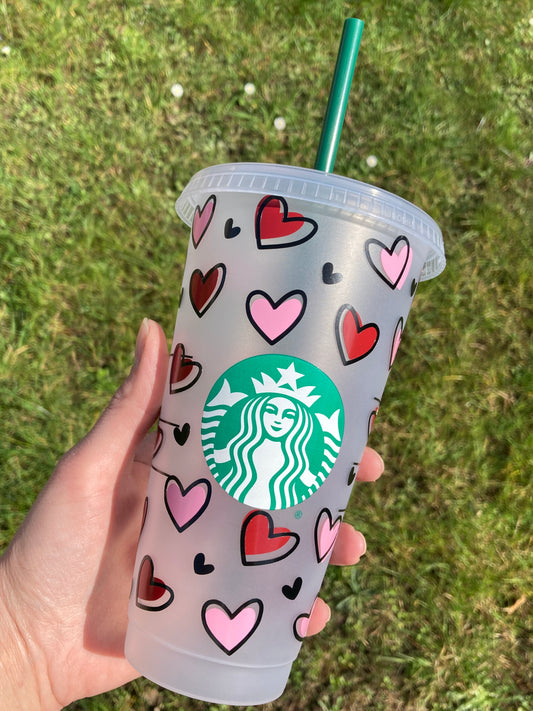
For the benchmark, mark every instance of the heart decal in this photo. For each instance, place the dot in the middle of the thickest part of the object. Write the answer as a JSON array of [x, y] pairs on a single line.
[[184, 371], [185, 506], [391, 265], [291, 592], [152, 593], [353, 473], [230, 630], [355, 340], [203, 290], [181, 434], [326, 531], [273, 320], [329, 276], [230, 231], [262, 543], [200, 566], [300, 627], [398, 331], [202, 219], [276, 227], [158, 441]]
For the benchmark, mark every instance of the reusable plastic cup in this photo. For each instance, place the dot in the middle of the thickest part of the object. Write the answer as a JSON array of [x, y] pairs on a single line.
[[295, 295]]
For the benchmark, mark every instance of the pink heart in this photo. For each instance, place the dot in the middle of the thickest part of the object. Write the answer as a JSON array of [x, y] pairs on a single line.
[[202, 219], [185, 506], [230, 630], [274, 320], [396, 264], [326, 531], [396, 341], [301, 625]]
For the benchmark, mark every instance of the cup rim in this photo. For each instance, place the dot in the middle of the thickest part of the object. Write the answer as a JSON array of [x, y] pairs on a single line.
[[336, 191]]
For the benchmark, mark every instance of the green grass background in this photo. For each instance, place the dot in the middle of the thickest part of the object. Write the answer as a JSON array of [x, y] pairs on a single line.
[[94, 150]]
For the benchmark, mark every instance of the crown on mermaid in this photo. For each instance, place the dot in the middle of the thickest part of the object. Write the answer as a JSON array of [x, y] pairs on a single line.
[[286, 385]]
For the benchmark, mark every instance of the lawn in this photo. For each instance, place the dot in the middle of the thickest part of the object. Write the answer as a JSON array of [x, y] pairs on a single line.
[[96, 146]]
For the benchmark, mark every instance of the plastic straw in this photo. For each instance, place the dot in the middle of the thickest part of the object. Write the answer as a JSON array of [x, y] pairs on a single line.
[[338, 95]]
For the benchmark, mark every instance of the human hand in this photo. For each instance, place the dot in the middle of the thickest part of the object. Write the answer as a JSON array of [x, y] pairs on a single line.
[[65, 578]]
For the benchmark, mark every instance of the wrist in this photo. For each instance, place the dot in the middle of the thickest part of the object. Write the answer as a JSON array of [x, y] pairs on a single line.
[[24, 683]]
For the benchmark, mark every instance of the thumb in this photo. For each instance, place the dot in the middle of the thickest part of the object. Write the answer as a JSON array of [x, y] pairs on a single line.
[[132, 410]]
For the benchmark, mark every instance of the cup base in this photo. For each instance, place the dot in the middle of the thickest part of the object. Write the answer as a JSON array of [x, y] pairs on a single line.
[[201, 678]]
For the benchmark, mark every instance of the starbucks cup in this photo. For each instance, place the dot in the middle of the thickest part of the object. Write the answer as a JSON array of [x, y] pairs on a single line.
[[295, 296]]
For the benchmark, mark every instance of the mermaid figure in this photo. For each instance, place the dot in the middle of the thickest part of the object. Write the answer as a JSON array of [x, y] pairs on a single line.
[[266, 463]]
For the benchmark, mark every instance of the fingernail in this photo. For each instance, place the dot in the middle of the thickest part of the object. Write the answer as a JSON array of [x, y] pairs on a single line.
[[141, 340]]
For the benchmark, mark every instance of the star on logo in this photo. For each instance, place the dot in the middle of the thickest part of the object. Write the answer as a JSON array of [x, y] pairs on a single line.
[[289, 376]]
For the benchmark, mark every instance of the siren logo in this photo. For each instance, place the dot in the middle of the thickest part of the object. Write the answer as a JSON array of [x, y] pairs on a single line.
[[271, 430]]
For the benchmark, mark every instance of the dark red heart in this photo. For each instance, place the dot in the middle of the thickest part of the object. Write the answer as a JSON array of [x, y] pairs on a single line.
[[354, 339], [203, 290]]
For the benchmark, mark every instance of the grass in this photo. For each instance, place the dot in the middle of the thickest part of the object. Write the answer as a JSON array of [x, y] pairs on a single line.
[[94, 151]]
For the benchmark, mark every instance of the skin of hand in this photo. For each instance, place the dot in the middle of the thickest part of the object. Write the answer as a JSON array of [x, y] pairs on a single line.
[[65, 578]]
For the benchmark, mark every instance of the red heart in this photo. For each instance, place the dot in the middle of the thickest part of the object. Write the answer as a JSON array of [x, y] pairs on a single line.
[[184, 371], [182, 365], [355, 340], [277, 221], [203, 290], [259, 537], [274, 222]]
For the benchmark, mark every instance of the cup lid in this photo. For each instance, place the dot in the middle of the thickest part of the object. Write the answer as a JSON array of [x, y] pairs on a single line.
[[322, 188]]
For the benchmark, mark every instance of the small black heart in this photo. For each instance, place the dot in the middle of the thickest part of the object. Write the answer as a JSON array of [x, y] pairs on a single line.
[[353, 473], [414, 286], [229, 231], [200, 566], [329, 276], [291, 591], [181, 434]]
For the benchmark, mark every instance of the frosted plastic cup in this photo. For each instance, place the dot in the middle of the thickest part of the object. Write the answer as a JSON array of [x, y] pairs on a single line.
[[296, 291]]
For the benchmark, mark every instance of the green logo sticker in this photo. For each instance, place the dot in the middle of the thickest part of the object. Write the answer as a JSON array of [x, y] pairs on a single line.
[[271, 430]]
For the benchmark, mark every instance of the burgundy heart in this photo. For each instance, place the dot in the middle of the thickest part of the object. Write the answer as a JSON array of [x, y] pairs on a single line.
[[204, 289]]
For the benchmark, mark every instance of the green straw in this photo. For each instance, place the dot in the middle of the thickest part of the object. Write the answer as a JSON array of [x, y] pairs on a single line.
[[338, 95]]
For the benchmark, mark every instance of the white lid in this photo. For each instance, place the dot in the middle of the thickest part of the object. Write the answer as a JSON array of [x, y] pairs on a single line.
[[322, 188]]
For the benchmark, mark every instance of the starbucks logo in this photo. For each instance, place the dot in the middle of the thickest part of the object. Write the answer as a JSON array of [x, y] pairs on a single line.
[[271, 430]]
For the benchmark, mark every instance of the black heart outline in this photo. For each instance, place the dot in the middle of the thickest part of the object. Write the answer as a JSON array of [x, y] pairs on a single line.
[[232, 616], [332, 523], [199, 211], [200, 566], [230, 232], [275, 305], [339, 320], [184, 492], [154, 582], [246, 522], [259, 212], [329, 276], [158, 441], [174, 388], [181, 434], [295, 626], [388, 282], [399, 326], [291, 592], [220, 267]]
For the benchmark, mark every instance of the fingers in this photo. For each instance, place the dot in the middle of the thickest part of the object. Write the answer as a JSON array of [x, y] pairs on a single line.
[[349, 546], [371, 467], [131, 412], [320, 616]]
